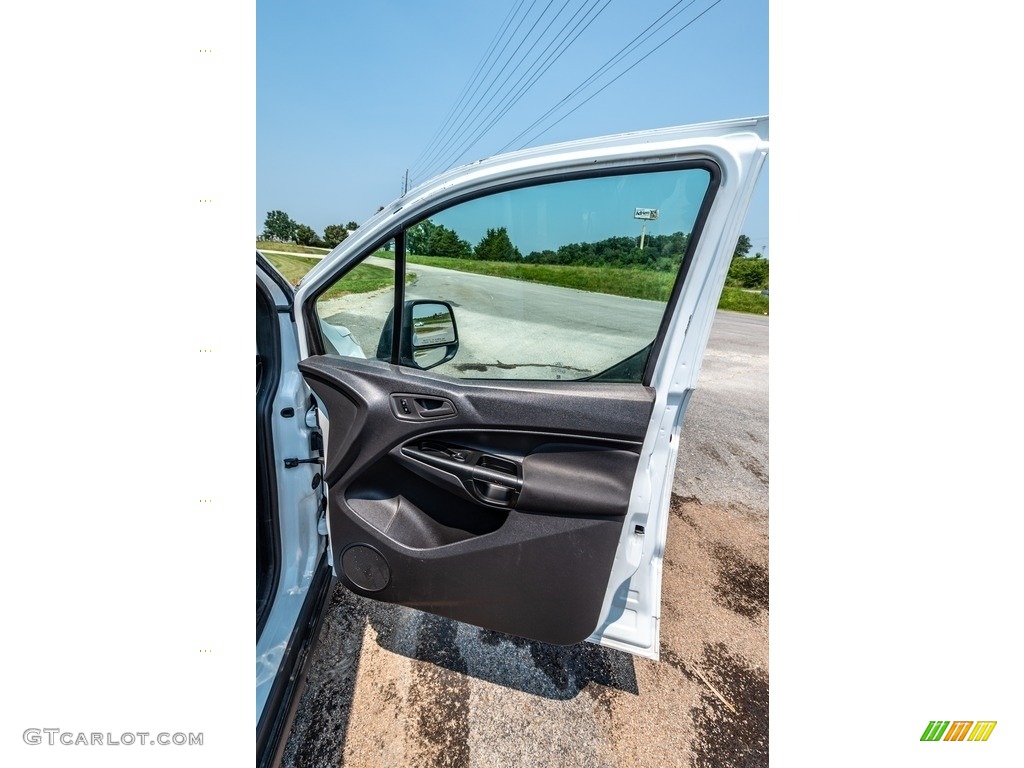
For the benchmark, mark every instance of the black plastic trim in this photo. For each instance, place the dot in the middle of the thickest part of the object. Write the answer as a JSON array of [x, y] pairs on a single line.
[[270, 514], [542, 577], [397, 326], [356, 397], [630, 369]]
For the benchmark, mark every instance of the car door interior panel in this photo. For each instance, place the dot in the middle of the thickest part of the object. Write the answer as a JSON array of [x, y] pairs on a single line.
[[500, 506], [533, 500]]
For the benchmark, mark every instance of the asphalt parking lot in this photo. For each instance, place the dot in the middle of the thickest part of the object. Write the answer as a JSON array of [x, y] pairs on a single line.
[[391, 686]]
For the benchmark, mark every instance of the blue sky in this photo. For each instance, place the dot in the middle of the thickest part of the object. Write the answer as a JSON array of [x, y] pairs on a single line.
[[350, 95]]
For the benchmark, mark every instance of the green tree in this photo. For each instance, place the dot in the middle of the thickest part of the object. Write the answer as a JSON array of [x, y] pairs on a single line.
[[446, 243], [417, 238], [334, 234], [743, 246], [279, 226], [305, 235], [748, 273], [661, 252], [496, 246], [351, 226]]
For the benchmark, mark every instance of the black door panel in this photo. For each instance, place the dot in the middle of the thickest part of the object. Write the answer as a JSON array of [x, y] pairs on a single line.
[[503, 511], [357, 396], [538, 576]]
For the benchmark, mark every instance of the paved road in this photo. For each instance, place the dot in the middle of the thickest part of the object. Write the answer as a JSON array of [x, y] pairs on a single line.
[[513, 328], [390, 686], [723, 456]]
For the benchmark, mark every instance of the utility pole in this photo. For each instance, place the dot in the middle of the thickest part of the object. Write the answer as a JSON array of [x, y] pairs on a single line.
[[405, 187]]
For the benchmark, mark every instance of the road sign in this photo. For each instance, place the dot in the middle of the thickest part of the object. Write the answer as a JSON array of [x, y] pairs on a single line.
[[649, 214]]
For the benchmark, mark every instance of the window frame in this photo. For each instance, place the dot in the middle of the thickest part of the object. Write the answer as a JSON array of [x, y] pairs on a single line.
[[398, 234]]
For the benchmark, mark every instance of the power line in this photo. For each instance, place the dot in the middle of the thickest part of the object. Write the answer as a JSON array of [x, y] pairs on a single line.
[[465, 89], [443, 157], [519, 24], [471, 115], [626, 49], [478, 116], [659, 45], [558, 46]]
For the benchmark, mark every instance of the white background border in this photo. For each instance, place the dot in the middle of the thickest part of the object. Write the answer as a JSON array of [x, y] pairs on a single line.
[[895, 403]]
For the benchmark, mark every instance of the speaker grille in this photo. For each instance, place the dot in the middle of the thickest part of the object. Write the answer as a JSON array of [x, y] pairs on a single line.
[[365, 567]]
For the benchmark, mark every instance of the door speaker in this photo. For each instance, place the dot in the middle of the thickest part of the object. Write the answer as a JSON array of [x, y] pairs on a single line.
[[365, 567]]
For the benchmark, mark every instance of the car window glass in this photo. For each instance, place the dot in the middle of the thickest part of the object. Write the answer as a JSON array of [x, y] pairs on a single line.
[[566, 280], [353, 310]]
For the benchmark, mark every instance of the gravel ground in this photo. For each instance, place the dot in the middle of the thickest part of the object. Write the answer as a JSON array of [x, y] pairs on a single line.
[[391, 686]]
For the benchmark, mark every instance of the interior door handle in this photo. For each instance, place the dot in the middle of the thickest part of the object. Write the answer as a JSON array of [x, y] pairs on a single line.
[[421, 407], [497, 481], [432, 407], [497, 477], [494, 493]]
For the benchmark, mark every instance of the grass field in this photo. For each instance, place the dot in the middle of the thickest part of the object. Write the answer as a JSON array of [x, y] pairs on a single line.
[[362, 279], [637, 284], [289, 247], [739, 300]]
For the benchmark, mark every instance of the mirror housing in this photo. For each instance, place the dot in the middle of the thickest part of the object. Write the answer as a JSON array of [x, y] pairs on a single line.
[[429, 335]]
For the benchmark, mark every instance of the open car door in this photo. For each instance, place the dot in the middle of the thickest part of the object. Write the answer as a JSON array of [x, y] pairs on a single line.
[[502, 360]]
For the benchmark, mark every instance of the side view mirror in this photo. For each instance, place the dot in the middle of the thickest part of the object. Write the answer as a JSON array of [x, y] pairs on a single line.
[[429, 335]]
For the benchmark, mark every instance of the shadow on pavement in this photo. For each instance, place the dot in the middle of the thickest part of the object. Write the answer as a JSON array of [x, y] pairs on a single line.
[[457, 650], [321, 721], [540, 669]]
